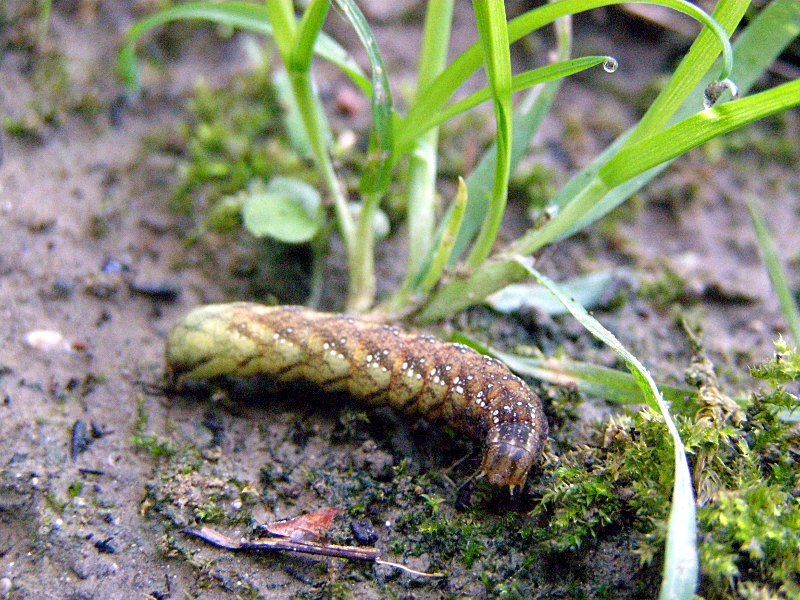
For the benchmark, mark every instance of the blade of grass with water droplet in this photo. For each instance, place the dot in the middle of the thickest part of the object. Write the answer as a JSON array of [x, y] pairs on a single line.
[[438, 94], [519, 82], [755, 50]]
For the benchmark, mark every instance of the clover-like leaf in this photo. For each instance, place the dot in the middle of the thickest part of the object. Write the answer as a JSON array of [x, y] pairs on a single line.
[[287, 210]]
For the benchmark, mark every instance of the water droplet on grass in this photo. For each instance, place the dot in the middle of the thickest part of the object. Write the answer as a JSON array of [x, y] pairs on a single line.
[[715, 90], [610, 65]]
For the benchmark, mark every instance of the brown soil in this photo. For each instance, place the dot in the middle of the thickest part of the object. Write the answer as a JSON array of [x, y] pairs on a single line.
[[105, 523]]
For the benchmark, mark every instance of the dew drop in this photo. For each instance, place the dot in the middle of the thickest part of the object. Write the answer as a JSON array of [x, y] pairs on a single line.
[[715, 90], [610, 65]]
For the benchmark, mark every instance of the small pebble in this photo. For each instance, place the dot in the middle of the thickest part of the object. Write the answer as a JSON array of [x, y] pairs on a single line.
[[116, 111], [105, 546], [46, 340], [163, 292], [97, 430], [364, 532], [114, 267], [103, 286], [5, 586], [80, 439], [62, 290], [348, 102]]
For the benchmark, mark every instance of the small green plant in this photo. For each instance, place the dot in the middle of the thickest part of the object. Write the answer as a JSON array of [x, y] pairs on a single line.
[[674, 124], [453, 263], [155, 445], [744, 470]]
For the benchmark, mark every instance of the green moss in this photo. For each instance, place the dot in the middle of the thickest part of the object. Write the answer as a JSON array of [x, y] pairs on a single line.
[[209, 512], [664, 291], [155, 445], [744, 467], [25, 127], [233, 137], [75, 488], [538, 184], [56, 504]]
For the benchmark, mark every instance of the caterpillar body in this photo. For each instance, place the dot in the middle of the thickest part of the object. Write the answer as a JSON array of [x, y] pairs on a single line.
[[376, 363]]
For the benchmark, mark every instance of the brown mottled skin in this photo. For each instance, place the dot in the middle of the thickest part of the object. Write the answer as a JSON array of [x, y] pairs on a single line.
[[382, 365]]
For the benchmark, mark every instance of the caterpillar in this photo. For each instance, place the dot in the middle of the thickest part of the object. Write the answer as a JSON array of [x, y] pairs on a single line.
[[378, 364]]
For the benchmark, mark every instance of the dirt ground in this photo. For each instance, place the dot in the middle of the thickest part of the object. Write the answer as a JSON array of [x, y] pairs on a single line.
[[104, 521]]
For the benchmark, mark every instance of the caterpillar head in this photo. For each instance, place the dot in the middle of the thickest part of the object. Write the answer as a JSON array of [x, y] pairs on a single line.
[[512, 448]]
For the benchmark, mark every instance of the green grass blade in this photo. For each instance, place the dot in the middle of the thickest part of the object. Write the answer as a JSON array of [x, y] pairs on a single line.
[[292, 117], [410, 131], [422, 160], [528, 117], [691, 71], [377, 171], [635, 159], [776, 274], [612, 385], [463, 292], [239, 15], [447, 241], [310, 27], [755, 50], [681, 562], [284, 26], [493, 30], [438, 94]]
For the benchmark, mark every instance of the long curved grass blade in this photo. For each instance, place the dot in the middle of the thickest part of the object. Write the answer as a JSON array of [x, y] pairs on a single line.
[[240, 15], [681, 562], [408, 132], [447, 241], [612, 385], [438, 94], [776, 274], [686, 80], [493, 32], [377, 171], [755, 50]]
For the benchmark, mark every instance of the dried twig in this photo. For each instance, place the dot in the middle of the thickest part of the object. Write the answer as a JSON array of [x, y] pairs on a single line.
[[277, 544]]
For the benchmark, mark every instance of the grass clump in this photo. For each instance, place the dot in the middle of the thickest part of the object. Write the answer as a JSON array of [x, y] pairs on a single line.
[[744, 472]]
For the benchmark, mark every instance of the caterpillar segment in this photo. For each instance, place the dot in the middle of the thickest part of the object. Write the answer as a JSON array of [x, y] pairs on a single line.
[[378, 364]]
